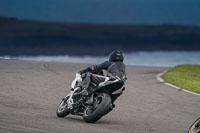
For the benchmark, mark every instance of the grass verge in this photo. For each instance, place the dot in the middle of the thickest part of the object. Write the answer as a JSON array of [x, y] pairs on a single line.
[[184, 76]]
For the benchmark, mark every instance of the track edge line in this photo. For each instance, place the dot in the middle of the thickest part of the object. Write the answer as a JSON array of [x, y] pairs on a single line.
[[173, 86]]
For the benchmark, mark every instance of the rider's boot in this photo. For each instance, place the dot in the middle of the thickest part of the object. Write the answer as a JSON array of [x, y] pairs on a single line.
[[83, 93]]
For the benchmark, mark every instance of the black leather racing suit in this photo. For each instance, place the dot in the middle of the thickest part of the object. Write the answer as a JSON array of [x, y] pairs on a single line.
[[114, 70]]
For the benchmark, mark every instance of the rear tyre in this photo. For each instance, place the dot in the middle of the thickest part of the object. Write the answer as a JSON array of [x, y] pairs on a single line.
[[62, 109], [100, 107]]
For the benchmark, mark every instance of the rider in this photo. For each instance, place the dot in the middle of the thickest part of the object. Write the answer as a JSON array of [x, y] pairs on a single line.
[[115, 70]]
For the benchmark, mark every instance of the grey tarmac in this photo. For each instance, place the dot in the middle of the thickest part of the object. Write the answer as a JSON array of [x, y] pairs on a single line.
[[31, 91]]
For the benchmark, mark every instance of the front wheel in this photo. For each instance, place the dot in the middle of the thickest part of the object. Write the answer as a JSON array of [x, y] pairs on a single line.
[[100, 107], [62, 109], [195, 128]]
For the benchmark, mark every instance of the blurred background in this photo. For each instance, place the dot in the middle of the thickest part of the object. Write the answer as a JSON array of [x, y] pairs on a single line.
[[149, 32]]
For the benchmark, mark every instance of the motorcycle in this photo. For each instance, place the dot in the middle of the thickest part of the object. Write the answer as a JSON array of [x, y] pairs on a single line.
[[98, 103], [195, 128]]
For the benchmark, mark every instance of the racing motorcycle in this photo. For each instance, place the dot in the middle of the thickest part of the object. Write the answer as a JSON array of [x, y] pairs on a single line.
[[195, 128], [98, 103]]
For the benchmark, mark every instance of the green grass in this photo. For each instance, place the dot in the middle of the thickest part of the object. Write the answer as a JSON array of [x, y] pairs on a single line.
[[184, 76]]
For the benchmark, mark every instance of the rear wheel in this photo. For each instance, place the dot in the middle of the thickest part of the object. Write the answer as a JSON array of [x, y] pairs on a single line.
[[100, 107], [62, 109]]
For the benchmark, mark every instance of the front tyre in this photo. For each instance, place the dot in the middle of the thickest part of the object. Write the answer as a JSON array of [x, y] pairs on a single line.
[[62, 109], [195, 128], [100, 107]]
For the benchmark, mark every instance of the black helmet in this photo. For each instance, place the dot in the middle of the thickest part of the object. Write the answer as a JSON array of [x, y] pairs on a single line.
[[116, 56]]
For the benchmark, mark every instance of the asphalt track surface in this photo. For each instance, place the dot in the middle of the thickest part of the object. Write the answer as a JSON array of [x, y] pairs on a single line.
[[31, 91]]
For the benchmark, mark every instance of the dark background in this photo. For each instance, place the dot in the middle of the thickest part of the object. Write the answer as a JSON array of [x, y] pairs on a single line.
[[97, 27]]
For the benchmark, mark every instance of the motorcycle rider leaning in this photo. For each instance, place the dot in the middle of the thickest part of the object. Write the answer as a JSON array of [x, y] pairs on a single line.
[[115, 70]]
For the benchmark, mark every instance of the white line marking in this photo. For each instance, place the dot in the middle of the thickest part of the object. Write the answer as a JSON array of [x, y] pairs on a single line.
[[173, 86]]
